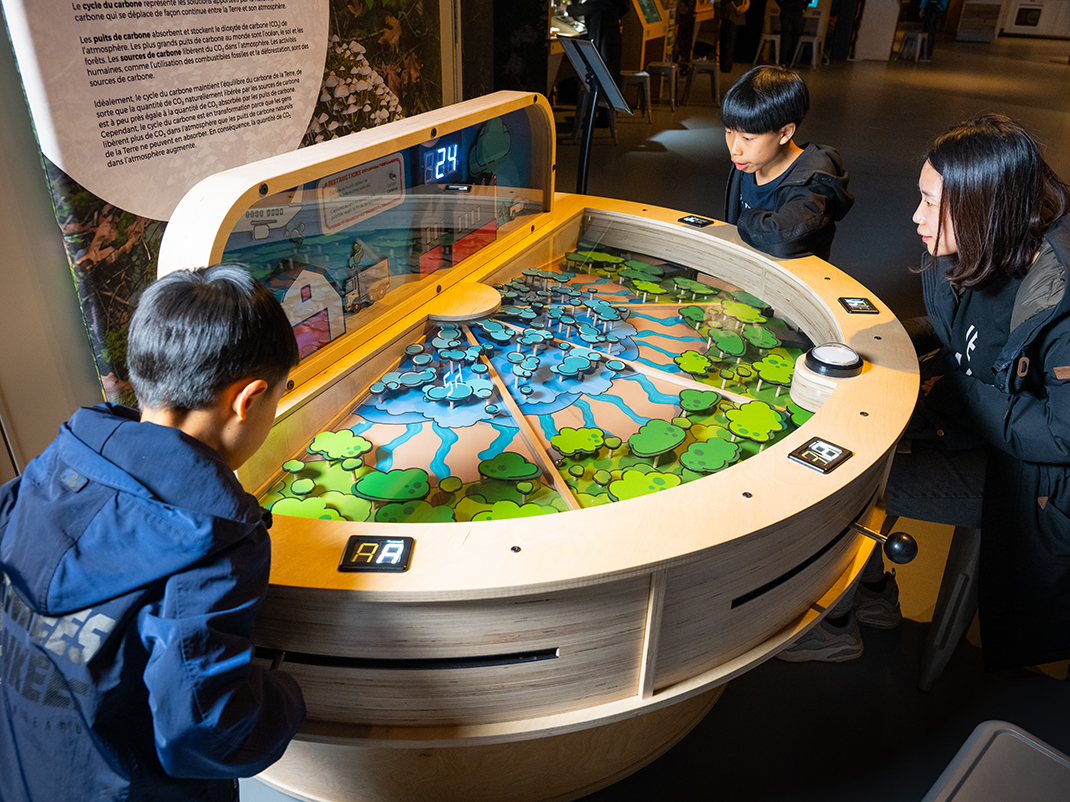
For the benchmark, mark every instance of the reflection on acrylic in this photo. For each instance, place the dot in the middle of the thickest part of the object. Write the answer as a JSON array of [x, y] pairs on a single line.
[[332, 247]]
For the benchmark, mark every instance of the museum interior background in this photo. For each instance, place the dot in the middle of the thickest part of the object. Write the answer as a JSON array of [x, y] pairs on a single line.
[[888, 738]]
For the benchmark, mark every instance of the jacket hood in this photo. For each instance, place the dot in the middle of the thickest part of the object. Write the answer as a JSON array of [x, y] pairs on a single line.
[[824, 165], [1058, 236], [805, 208], [1041, 299], [115, 504]]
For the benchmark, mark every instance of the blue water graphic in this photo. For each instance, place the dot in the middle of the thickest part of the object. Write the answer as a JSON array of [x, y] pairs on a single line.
[[386, 462], [558, 402], [686, 339], [505, 436], [669, 366], [375, 415], [549, 428], [653, 393], [550, 391], [658, 318], [438, 464], [362, 427], [411, 406], [618, 402], [584, 406]]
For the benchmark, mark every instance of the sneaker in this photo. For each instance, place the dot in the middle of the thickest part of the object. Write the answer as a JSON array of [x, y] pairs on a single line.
[[826, 643], [879, 610]]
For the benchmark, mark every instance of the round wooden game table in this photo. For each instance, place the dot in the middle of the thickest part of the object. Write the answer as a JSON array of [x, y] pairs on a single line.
[[544, 658]]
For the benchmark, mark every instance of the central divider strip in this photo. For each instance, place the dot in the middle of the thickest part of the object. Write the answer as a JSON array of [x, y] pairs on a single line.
[[529, 434]]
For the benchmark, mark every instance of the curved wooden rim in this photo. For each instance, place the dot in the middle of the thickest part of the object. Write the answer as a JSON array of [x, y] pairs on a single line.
[[865, 414]]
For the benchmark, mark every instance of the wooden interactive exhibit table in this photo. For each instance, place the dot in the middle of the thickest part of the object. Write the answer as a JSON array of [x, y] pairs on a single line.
[[534, 493]]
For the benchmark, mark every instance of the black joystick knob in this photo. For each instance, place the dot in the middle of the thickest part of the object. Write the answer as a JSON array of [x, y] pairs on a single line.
[[900, 548]]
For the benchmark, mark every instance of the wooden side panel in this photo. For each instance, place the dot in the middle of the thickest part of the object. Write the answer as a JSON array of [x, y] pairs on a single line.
[[719, 608], [588, 642], [553, 769]]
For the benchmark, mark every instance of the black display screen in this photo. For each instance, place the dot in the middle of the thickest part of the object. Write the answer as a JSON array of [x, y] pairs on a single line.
[[819, 454], [368, 553], [695, 220], [859, 306]]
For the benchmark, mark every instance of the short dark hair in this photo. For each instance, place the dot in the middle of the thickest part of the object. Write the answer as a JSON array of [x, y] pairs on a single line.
[[765, 99], [196, 332], [999, 194]]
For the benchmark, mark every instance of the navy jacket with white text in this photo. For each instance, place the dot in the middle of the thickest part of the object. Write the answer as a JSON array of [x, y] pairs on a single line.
[[134, 566]]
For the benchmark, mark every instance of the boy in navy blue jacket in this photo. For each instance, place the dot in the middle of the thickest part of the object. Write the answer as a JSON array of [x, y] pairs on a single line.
[[134, 565], [784, 199]]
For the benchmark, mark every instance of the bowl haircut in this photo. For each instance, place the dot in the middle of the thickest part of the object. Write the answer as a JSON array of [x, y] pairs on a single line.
[[1000, 196], [765, 99], [196, 332]]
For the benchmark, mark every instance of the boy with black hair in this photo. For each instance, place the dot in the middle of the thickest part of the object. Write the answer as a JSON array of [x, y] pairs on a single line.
[[134, 565], [785, 200]]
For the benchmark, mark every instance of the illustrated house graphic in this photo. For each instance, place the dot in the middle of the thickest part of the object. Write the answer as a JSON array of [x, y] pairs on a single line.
[[313, 307]]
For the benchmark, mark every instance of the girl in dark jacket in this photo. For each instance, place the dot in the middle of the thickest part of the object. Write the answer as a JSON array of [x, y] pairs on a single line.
[[993, 219], [988, 447]]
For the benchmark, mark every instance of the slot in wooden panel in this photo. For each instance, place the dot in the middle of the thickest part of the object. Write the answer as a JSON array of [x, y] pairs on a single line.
[[715, 609], [596, 632]]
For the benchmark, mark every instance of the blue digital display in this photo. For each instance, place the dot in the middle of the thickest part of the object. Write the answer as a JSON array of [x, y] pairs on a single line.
[[440, 164], [442, 161]]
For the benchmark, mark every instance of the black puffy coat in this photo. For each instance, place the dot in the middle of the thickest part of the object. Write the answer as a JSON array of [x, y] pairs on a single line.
[[1024, 418]]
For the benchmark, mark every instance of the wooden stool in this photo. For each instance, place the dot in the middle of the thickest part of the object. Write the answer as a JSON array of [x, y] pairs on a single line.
[[665, 69], [955, 605], [914, 39], [641, 80], [700, 67], [774, 40]]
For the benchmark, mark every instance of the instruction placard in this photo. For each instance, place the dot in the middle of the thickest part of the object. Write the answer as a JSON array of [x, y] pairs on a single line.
[[360, 193]]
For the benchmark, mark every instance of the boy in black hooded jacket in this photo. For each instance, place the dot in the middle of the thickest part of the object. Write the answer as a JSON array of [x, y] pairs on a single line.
[[784, 199]]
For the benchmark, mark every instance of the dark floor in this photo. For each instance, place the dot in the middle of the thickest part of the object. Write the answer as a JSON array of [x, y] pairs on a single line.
[[851, 732], [860, 731]]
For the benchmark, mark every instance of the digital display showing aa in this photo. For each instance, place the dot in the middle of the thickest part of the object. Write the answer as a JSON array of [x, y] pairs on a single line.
[[441, 163], [366, 553]]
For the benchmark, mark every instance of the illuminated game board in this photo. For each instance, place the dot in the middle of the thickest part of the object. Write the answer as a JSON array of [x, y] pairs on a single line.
[[629, 376]]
